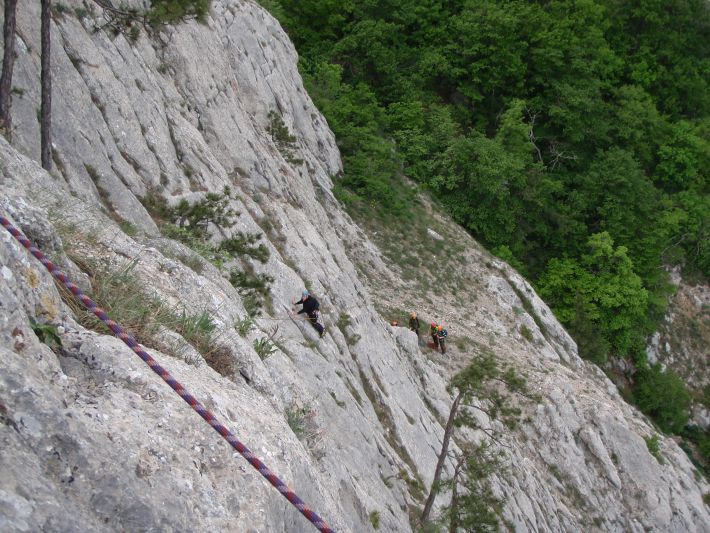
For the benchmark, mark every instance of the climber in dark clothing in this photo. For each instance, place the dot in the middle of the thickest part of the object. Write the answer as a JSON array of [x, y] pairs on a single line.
[[414, 326], [312, 309]]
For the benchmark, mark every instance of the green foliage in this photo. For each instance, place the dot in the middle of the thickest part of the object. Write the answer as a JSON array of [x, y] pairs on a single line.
[[480, 382], [696, 443], [296, 418], [505, 253], [252, 304], [663, 396], [58, 10], [526, 333], [415, 486], [46, 333], [264, 347], [370, 181], [197, 329], [128, 19], [375, 520], [477, 508], [590, 342], [197, 243], [245, 244], [703, 443], [484, 386], [212, 209], [128, 228], [602, 292], [194, 219], [190, 224], [537, 124], [248, 280], [243, 325], [652, 443], [285, 141], [475, 175], [344, 322], [692, 222], [255, 287], [175, 11], [705, 398]]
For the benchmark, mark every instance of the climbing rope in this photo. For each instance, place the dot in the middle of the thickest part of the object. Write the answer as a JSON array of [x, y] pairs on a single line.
[[167, 377]]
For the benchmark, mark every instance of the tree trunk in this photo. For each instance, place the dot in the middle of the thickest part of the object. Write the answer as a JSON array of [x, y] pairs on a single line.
[[442, 457], [46, 78], [454, 508], [8, 62]]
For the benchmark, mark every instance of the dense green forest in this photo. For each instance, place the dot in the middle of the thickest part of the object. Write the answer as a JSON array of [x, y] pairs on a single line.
[[571, 137]]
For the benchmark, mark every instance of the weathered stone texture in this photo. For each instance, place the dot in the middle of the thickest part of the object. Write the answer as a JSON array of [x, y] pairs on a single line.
[[91, 439]]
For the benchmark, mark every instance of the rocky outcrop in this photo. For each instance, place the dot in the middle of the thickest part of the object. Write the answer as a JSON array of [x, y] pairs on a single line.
[[92, 440], [683, 342]]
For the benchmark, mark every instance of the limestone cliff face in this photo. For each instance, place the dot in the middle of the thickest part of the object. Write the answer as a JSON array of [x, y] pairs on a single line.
[[91, 440]]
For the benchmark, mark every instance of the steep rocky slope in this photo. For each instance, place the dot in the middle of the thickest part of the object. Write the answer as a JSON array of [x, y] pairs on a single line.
[[91, 440], [683, 344]]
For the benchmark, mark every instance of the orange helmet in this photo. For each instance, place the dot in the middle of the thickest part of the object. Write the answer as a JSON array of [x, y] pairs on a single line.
[[440, 328]]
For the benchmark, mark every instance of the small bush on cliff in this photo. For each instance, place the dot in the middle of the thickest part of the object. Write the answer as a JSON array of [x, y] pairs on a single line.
[[189, 223], [652, 443], [46, 333], [196, 217], [253, 286], [285, 141], [243, 325], [302, 421], [264, 347], [245, 244], [212, 209], [375, 520]]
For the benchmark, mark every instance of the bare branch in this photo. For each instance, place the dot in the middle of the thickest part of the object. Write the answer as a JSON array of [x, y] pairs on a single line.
[[491, 434], [531, 133], [559, 155]]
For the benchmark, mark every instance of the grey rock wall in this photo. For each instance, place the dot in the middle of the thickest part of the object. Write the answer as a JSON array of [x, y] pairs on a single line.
[[92, 440]]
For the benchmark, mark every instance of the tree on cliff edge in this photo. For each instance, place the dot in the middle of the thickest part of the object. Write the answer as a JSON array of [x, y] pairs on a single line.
[[482, 387], [46, 82], [8, 62]]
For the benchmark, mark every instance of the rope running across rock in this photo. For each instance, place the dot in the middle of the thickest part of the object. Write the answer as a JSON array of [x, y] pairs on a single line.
[[167, 377]]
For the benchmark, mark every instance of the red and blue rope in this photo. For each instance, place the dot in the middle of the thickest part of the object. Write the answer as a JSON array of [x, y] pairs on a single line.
[[170, 380]]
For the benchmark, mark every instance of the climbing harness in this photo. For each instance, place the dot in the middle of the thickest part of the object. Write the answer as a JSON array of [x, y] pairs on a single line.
[[287, 493]]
